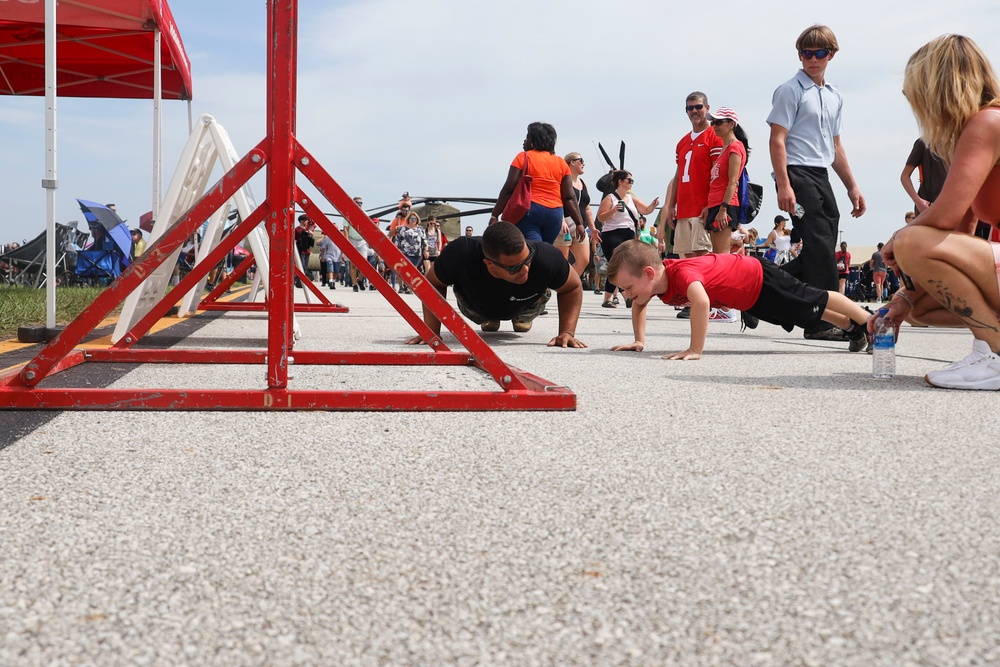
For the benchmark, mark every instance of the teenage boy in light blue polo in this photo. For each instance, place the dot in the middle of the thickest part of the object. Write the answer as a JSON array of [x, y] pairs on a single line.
[[805, 122]]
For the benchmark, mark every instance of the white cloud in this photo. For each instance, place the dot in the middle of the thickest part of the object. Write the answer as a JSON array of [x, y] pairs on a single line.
[[433, 97]]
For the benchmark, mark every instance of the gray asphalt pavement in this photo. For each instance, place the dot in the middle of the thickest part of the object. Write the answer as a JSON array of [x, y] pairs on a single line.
[[770, 504]]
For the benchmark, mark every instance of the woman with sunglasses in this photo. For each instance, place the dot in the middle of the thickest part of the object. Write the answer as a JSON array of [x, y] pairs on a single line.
[[619, 216], [955, 276], [435, 241], [780, 242], [552, 195], [412, 242], [568, 239], [723, 197]]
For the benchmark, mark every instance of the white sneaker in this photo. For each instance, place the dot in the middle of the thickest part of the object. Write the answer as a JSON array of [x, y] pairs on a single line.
[[982, 373], [719, 315], [979, 349]]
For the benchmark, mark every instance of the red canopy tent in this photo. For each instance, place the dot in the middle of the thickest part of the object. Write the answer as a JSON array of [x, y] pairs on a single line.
[[94, 48], [105, 49]]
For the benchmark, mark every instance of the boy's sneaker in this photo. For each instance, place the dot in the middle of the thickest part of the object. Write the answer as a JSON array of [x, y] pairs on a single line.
[[685, 313], [719, 315], [857, 334], [355, 288], [521, 327], [835, 334], [860, 343], [979, 349], [748, 321], [982, 374], [490, 325]]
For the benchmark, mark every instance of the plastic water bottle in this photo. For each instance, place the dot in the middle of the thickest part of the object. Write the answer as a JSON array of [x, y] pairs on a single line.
[[567, 237], [884, 343], [799, 211]]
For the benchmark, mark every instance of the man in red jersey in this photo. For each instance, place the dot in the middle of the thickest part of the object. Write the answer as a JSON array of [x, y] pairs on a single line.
[[687, 193]]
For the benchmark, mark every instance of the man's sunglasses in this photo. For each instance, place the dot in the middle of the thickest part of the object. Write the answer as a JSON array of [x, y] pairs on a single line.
[[516, 268], [694, 107], [820, 54]]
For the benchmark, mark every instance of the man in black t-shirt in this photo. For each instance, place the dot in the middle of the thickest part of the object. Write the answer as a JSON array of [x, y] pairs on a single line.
[[500, 276]]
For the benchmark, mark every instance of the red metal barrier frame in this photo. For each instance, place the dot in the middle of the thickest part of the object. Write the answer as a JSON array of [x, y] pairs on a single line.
[[211, 300], [282, 155]]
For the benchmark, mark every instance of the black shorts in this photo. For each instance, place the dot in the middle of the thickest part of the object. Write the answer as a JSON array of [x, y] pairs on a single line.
[[734, 218], [787, 301]]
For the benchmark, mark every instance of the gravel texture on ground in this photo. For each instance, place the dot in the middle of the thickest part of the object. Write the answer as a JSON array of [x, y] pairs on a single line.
[[770, 504]]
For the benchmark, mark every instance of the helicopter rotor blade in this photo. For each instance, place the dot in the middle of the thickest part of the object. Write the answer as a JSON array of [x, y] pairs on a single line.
[[605, 154]]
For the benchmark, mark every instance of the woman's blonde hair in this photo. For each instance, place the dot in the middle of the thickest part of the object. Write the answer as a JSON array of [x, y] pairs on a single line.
[[947, 81], [572, 156]]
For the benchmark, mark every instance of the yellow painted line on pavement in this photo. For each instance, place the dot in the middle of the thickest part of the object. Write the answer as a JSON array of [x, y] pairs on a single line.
[[13, 344]]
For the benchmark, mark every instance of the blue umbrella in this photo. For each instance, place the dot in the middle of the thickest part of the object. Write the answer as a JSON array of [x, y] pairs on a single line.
[[99, 214]]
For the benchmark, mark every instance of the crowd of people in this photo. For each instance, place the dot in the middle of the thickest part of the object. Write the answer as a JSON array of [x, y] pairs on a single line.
[[549, 233], [953, 276]]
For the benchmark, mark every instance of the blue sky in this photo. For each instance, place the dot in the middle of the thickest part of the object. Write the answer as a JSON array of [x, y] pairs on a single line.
[[433, 97]]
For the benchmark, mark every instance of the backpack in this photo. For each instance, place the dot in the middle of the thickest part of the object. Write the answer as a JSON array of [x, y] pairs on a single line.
[[751, 196], [305, 241]]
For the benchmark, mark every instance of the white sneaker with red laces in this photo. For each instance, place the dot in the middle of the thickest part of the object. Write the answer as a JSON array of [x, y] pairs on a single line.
[[720, 315]]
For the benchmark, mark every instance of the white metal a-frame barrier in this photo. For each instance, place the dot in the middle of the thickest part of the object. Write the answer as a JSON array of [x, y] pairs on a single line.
[[208, 143]]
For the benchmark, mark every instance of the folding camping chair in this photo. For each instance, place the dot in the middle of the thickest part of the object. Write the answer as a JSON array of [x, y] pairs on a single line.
[[98, 266]]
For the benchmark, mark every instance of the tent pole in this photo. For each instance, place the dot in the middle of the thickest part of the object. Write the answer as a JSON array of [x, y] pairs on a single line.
[[157, 96], [49, 182]]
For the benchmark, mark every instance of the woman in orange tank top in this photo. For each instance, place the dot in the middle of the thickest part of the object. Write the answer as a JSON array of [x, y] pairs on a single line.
[[955, 95], [552, 194]]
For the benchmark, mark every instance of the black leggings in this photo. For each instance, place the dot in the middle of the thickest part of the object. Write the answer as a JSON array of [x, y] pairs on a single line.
[[610, 241]]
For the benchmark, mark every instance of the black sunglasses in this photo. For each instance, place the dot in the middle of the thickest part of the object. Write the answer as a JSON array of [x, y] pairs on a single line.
[[809, 53], [694, 107], [512, 270], [719, 121]]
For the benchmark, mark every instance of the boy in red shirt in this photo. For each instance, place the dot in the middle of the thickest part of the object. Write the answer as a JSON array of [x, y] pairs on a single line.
[[760, 289]]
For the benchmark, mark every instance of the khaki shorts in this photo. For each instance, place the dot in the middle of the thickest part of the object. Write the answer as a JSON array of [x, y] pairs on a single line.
[[560, 243], [691, 236]]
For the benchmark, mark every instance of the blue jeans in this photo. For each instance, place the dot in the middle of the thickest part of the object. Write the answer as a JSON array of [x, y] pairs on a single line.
[[541, 223]]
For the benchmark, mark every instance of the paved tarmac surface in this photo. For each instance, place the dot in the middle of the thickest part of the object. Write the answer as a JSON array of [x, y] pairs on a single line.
[[768, 505]]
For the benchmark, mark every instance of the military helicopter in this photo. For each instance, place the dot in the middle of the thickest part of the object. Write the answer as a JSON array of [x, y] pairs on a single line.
[[447, 215]]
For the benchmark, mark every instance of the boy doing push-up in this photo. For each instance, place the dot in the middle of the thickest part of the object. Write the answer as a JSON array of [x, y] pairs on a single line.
[[757, 287]]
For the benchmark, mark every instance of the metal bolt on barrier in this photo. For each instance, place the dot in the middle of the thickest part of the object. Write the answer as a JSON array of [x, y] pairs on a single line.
[[506, 379], [305, 160]]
